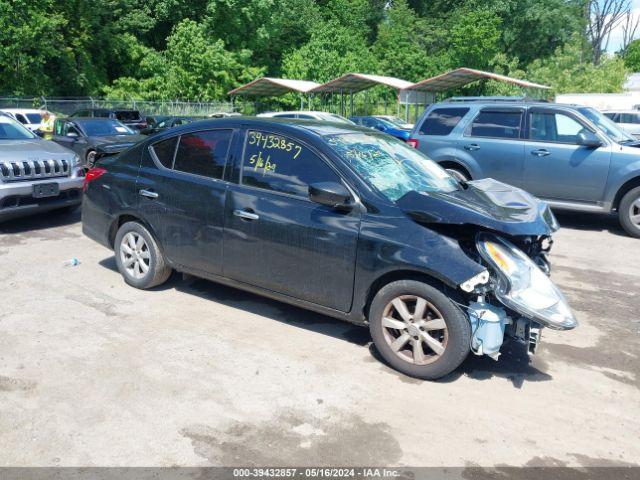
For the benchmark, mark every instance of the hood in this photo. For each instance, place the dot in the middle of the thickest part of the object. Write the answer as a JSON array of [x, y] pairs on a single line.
[[486, 203], [32, 149], [119, 139]]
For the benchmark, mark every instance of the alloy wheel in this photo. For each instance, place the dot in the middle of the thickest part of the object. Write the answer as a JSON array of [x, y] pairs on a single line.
[[415, 330], [634, 212], [134, 255]]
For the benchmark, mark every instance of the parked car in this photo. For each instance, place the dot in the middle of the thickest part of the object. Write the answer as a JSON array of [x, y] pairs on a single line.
[[223, 114], [383, 125], [628, 120], [165, 123], [398, 121], [29, 117], [36, 175], [573, 157], [337, 219], [304, 115], [87, 136], [131, 118]]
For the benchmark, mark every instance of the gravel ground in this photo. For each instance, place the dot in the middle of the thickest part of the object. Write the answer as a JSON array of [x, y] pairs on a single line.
[[93, 372]]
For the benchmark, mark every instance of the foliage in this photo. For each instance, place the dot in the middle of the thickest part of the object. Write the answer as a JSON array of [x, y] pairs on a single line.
[[200, 49], [632, 56]]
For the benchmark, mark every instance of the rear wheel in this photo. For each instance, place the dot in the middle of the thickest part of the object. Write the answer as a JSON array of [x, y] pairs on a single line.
[[629, 212], [418, 330], [138, 257]]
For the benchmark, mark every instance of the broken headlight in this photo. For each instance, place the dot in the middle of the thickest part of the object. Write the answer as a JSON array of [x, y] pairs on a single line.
[[522, 286]]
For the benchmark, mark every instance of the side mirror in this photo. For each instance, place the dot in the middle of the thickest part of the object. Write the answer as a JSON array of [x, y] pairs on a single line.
[[589, 140], [71, 135], [331, 194]]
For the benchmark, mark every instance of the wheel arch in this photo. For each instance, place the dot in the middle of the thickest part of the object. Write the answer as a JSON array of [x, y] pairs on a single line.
[[128, 217], [455, 165], [622, 191], [405, 274]]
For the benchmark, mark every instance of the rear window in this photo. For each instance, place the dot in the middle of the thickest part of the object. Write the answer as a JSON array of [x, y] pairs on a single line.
[[128, 115], [165, 151], [203, 153], [497, 124], [629, 118], [442, 121]]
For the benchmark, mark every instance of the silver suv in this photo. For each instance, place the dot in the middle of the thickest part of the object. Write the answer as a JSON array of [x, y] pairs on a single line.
[[36, 175], [571, 156]]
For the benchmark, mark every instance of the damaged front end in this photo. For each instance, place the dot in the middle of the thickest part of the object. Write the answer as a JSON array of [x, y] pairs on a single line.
[[507, 231]]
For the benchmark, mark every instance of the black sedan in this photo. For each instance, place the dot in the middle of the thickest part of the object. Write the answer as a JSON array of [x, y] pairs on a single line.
[[88, 136], [338, 219]]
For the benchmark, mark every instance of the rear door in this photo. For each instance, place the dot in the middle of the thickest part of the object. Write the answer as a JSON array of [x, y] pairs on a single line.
[[275, 237], [556, 167], [494, 140], [182, 191]]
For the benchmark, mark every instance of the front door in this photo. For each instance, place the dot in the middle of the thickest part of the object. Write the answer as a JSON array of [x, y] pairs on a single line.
[[276, 238], [77, 142], [556, 167], [183, 193], [494, 141]]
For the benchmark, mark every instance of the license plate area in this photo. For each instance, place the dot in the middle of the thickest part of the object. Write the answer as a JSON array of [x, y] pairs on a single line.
[[44, 190]]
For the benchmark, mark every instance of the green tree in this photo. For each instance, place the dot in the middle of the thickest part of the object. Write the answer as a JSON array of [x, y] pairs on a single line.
[[632, 56], [193, 66], [407, 46], [567, 72]]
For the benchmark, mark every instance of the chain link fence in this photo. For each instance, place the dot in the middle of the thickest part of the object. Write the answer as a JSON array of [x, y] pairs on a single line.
[[66, 106]]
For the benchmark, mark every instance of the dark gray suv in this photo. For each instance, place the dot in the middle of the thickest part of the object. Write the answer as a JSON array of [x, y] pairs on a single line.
[[571, 156]]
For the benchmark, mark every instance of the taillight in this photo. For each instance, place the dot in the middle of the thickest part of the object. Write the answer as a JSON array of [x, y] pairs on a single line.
[[412, 142], [92, 174]]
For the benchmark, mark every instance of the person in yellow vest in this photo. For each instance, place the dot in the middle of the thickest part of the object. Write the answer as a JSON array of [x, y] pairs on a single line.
[[46, 125]]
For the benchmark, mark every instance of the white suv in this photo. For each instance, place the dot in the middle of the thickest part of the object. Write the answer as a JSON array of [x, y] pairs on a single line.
[[629, 120], [29, 117]]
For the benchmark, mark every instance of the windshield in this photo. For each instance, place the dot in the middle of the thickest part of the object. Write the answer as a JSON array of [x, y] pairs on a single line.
[[397, 122], [128, 115], [103, 128], [606, 125], [389, 165], [12, 130], [337, 118]]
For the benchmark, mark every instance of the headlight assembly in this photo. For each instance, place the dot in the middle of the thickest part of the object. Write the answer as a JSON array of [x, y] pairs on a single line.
[[523, 287]]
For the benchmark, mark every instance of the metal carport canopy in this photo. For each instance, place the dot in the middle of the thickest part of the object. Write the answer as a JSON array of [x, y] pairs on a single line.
[[462, 76], [356, 82], [273, 87]]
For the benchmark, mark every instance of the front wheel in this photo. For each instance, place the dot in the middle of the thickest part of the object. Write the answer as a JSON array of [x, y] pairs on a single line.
[[91, 158], [418, 330], [629, 212]]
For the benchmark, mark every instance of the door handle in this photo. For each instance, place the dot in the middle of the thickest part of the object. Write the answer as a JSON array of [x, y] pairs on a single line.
[[148, 193], [541, 152], [246, 215], [472, 146]]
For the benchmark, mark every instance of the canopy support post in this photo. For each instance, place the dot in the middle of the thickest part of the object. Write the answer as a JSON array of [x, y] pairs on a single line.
[[351, 103]]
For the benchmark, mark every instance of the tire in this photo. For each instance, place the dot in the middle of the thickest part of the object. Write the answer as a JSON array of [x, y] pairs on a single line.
[[385, 321], [458, 174], [91, 158], [132, 257], [629, 212]]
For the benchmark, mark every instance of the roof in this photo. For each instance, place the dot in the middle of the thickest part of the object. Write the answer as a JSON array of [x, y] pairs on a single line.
[[267, 86], [462, 76], [356, 82]]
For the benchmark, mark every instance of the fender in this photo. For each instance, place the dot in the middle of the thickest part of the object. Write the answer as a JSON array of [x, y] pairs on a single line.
[[620, 174]]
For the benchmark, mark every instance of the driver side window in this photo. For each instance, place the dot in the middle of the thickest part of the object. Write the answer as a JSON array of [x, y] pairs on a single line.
[[554, 127]]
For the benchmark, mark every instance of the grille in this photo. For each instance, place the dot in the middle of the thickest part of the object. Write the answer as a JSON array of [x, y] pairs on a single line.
[[33, 169]]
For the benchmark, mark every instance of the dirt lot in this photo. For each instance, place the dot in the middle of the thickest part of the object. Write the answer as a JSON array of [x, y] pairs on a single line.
[[93, 372]]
